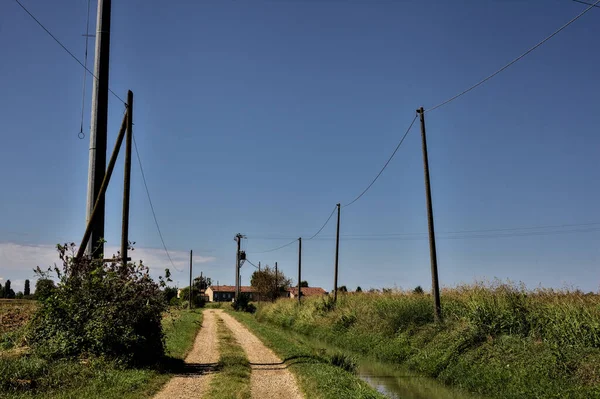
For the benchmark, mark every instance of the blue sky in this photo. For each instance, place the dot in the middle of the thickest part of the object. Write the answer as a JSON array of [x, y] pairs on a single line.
[[259, 116]]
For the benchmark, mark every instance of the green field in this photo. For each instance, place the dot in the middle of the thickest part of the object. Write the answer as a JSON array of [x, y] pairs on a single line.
[[498, 340]]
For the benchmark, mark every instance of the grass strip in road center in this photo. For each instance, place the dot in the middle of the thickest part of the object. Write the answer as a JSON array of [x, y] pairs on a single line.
[[317, 376], [233, 378]]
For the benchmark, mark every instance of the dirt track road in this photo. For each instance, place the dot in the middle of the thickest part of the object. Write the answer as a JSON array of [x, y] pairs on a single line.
[[200, 363], [270, 377]]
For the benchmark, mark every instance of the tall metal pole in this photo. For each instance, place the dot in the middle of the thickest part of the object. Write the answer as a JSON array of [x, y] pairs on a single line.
[[190, 296], [98, 129], [299, 267], [435, 287], [337, 253], [127, 179]]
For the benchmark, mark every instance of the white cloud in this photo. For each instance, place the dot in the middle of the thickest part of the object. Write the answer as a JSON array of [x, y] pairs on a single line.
[[17, 261]]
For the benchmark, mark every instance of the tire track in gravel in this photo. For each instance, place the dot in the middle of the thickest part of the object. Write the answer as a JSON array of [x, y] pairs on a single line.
[[270, 376], [194, 381]]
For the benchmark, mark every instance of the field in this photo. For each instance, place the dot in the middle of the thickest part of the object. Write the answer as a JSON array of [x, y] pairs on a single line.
[[14, 316], [499, 340]]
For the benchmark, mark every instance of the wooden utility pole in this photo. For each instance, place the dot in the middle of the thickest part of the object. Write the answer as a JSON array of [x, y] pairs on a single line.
[[259, 266], [127, 179], [276, 283], [237, 238], [299, 267], [190, 295], [337, 253], [98, 130], [435, 287]]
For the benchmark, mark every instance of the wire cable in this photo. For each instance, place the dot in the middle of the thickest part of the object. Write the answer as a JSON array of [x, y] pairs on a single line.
[[585, 2], [515, 60], [252, 264], [386, 164], [325, 224], [66, 49], [276, 249], [152, 206]]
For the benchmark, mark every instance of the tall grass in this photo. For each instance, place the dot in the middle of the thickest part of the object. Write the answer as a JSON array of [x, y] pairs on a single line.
[[539, 342]]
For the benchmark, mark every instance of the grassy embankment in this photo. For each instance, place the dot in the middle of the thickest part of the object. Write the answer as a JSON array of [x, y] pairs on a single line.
[[319, 375], [233, 378], [23, 375], [500, 340]]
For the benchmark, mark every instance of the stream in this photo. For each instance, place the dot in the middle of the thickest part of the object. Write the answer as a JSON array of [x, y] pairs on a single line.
[[395, 381]]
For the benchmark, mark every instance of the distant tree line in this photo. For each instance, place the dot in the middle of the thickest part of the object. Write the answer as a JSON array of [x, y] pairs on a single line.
[[43, 289]]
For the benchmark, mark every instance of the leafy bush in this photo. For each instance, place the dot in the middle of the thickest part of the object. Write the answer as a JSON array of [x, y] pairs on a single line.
[[107, 310], [243, 304], [344, 361]]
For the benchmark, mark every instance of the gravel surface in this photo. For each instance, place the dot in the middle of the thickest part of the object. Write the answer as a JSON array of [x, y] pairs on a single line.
[[270, 376], [194, 381]]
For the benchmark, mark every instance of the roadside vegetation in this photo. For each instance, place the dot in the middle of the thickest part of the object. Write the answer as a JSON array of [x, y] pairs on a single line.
[[499, 340], [233, 378], [319, 374], [104, 331]]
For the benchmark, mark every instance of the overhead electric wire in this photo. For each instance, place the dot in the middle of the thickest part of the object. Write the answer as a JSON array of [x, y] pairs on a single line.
[[152, 206], [556, 32], [386, 164], [276, 249], [65, 48], [324, 224], [585, 2], [251, 263]]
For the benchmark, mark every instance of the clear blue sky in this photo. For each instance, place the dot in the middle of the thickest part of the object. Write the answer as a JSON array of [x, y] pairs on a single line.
[[259, 116]]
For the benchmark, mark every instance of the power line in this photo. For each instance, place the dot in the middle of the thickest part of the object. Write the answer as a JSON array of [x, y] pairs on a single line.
[[276, 249], [386, 164], [585, 2], [325, 224], [515, 60], [152, 206], [252, 263], [66, 49], [500, 230]]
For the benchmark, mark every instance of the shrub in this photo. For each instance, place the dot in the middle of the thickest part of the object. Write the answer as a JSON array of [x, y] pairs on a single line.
[[243, 304], [100, 309]]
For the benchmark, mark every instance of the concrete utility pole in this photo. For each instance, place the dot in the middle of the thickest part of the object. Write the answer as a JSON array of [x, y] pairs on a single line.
[[190, 296], [98, 129], [299, 268], [435, 287], [127, 179], [337, 253]]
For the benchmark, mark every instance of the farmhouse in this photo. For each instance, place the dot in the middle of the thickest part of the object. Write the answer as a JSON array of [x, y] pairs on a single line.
[[306, 291], [226, 293]]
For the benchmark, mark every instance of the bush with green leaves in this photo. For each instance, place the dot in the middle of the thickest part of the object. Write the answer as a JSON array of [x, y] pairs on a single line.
[[242, 303], [100, 309]]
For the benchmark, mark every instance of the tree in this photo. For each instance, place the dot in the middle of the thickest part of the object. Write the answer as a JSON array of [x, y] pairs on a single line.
[[304, 284], [169, 293], [267, 285], [1, 291], [8, 291], [358, 289], [27, 290], [19, 295], [418, 290], [44, 287], [202, 283], [343, 289]]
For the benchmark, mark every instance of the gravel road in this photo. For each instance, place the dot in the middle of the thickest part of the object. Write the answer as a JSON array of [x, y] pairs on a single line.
[[194, 382], [270, 376]]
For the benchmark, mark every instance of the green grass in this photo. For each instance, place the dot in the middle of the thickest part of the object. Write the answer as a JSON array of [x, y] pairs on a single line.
[[27, 376], [316, 374], [233, 378], [498, 340]]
